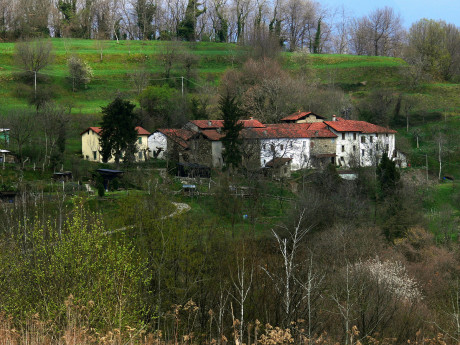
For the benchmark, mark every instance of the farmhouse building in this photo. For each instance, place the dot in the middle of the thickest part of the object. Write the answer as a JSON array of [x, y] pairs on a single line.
[[301, 140], [361, 143], [91, 148]]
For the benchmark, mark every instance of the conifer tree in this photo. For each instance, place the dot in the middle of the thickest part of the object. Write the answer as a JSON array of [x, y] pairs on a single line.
[[231, 114], [388, 175], [118, 130]]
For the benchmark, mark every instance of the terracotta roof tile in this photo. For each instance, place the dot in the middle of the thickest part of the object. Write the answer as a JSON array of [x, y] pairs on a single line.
[[342, 125], [212, 124], [98, 130], [208, 124], [286, 130], [180, 136], [212, 134], [299, 115], [142, 131]]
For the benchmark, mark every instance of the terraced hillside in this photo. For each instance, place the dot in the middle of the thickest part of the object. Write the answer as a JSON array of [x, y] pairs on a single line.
[[121, 59]]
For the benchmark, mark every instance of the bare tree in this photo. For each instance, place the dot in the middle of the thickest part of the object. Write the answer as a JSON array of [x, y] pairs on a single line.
[[288, 246], [298, 19], [379, 33], [242, 285], [34, 56], [22, 126], [140, 79]]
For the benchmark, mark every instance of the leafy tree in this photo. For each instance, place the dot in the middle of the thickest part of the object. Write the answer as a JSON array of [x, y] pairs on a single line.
[[434, 46], [80, 72], [199, 108], [186, 28], [79, 259], [145, 11], [387, 175], [159, 105], [231, 113], [118, 129]]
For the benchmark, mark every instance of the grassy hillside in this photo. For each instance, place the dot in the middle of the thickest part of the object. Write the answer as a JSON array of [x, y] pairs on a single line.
[[123, 58], [356, 75]]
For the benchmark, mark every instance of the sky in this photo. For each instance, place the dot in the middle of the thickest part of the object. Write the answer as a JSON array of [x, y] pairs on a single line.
[[410, 10]]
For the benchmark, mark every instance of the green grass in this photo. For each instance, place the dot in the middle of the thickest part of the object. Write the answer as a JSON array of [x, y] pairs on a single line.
[[443, 211], [125, 57]]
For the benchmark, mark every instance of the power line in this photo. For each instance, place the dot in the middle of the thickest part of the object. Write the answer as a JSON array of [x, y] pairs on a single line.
[[110, 79]]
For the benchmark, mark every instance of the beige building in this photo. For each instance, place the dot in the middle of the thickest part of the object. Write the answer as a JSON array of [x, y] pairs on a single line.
[[91, 148]]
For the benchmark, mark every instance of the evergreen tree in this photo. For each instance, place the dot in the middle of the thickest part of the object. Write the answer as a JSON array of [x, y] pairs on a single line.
[[317, 42], [388, 176], [231, 114], [118, 130], [186, 28]]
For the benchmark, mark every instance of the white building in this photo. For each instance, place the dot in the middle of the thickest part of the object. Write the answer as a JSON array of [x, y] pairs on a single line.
[[165, 139], [361, 143]]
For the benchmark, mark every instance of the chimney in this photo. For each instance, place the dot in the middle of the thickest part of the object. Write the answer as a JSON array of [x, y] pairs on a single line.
[[251, 118], [209, 123], [334, 118]]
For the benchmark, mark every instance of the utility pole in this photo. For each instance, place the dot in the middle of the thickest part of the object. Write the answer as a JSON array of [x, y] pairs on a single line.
[[440, 160], [426, 165], [35, 83], [182, 78]]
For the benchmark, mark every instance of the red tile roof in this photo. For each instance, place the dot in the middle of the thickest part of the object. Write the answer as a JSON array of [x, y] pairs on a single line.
[[212, 124], [286, 130], [179, 136], [212, 134], [142, 131], [208, 124], [98, 130], [299, 115], [252, 123], [341, 125]]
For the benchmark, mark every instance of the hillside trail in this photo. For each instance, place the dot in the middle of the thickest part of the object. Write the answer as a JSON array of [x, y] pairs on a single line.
[[180, 208]]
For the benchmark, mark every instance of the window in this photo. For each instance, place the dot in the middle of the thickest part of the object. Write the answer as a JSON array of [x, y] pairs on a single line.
[[377, 135], [139, 155], [343, 136], [282, 147], [386, 135], [272, 147], [377, 146], [290, 144], [342, 159], [363, 139], [370, 152], [387, 147], [140, 140], [354, 148], [343, 148], [94, 155], [362, 153], [263, 146], [354, 136], [371, 139]]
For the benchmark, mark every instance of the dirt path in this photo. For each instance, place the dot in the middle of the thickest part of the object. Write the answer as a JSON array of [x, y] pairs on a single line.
[[180, 208]]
